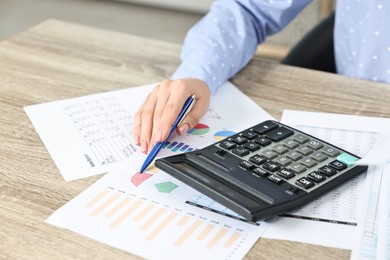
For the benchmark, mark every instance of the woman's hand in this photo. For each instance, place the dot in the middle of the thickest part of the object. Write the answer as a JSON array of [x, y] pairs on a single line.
[[162, 106]]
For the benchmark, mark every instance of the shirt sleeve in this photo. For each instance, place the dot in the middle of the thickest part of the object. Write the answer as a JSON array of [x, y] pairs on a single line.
[[224, 40]]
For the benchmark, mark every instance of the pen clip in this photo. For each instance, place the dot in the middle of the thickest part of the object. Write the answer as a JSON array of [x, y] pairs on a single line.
[[188, 109]]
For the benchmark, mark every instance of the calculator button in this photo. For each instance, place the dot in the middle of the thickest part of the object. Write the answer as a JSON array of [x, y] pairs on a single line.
[[330, 151], [249, 135], [257, 159], [239, 139], [285, 174], [347, 159], [240, 151], [292, 190], [328, 171], [308, 162], [294, 155], [280, 149], [279, 134], [300, 138], [290, 143], [338, 165], [317, 177], [297, 167], [261, 172], [304, 183], [269, 154], [227, 145], [319, 157], [265, 127], [220, 153], [282, 160], [247, 165], [252, 146], [263, 141], [275, 179], [313, 144], [271, 166], [304, 150]]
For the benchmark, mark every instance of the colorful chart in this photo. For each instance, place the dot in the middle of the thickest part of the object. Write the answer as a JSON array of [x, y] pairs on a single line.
[[178, 146], [166, 187], [139, 178], [218, 136], [199, 129]]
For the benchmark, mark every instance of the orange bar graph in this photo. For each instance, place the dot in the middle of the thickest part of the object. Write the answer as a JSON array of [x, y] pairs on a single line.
[[205, 232], [126, 214], [183, 220], [216, 238], [153, 219], [144, 212], [118, 207], [105, 205], [188, 233], [161, 226], [232, 240], [100, 196]]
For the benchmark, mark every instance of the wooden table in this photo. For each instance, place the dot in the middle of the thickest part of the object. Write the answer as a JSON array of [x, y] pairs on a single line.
[[58, 60]]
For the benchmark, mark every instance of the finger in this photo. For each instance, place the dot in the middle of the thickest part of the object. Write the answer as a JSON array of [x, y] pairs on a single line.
[[163, 97], [137, 125], [147, 122], [193, 117], [171, 111]]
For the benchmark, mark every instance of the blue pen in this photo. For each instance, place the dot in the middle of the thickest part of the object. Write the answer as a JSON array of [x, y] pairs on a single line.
[[184, 111]]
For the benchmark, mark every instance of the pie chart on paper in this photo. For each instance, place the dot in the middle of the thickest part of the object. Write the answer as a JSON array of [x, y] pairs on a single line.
[[199, 129], [218, 136]]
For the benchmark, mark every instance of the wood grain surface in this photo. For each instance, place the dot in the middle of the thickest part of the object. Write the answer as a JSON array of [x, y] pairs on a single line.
[[58, 60]]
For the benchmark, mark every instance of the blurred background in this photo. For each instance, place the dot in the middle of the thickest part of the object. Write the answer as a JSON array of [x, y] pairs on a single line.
[[166, 20]]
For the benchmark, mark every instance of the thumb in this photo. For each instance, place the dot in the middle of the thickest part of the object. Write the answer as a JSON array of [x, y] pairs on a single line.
[[192, 118]]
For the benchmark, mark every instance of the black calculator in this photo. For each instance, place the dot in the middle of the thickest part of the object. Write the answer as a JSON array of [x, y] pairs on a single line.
[[265, 170]]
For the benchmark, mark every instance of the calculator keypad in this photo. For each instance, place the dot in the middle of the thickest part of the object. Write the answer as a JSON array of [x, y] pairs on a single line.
[[279, 154]]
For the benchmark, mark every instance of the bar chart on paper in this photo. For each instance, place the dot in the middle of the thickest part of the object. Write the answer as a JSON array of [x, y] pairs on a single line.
[[171, 231], [178, 147], [136, 212]]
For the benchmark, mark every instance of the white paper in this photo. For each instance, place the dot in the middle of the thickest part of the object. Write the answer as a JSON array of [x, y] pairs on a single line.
[[383, 249], [378, 154], [366, 239], [331, 220], [94, 134], [154, 221], [154, 215]]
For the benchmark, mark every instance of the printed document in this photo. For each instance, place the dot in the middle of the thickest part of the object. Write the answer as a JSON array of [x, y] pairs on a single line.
[[93, 134], [332, 219]]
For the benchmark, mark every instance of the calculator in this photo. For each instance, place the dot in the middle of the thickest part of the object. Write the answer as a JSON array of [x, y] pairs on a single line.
[[265, 170]]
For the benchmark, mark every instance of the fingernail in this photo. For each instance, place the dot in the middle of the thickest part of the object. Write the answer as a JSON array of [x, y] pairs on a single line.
[[136, 139], [144, 146], [158, 136], [183, 129]]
